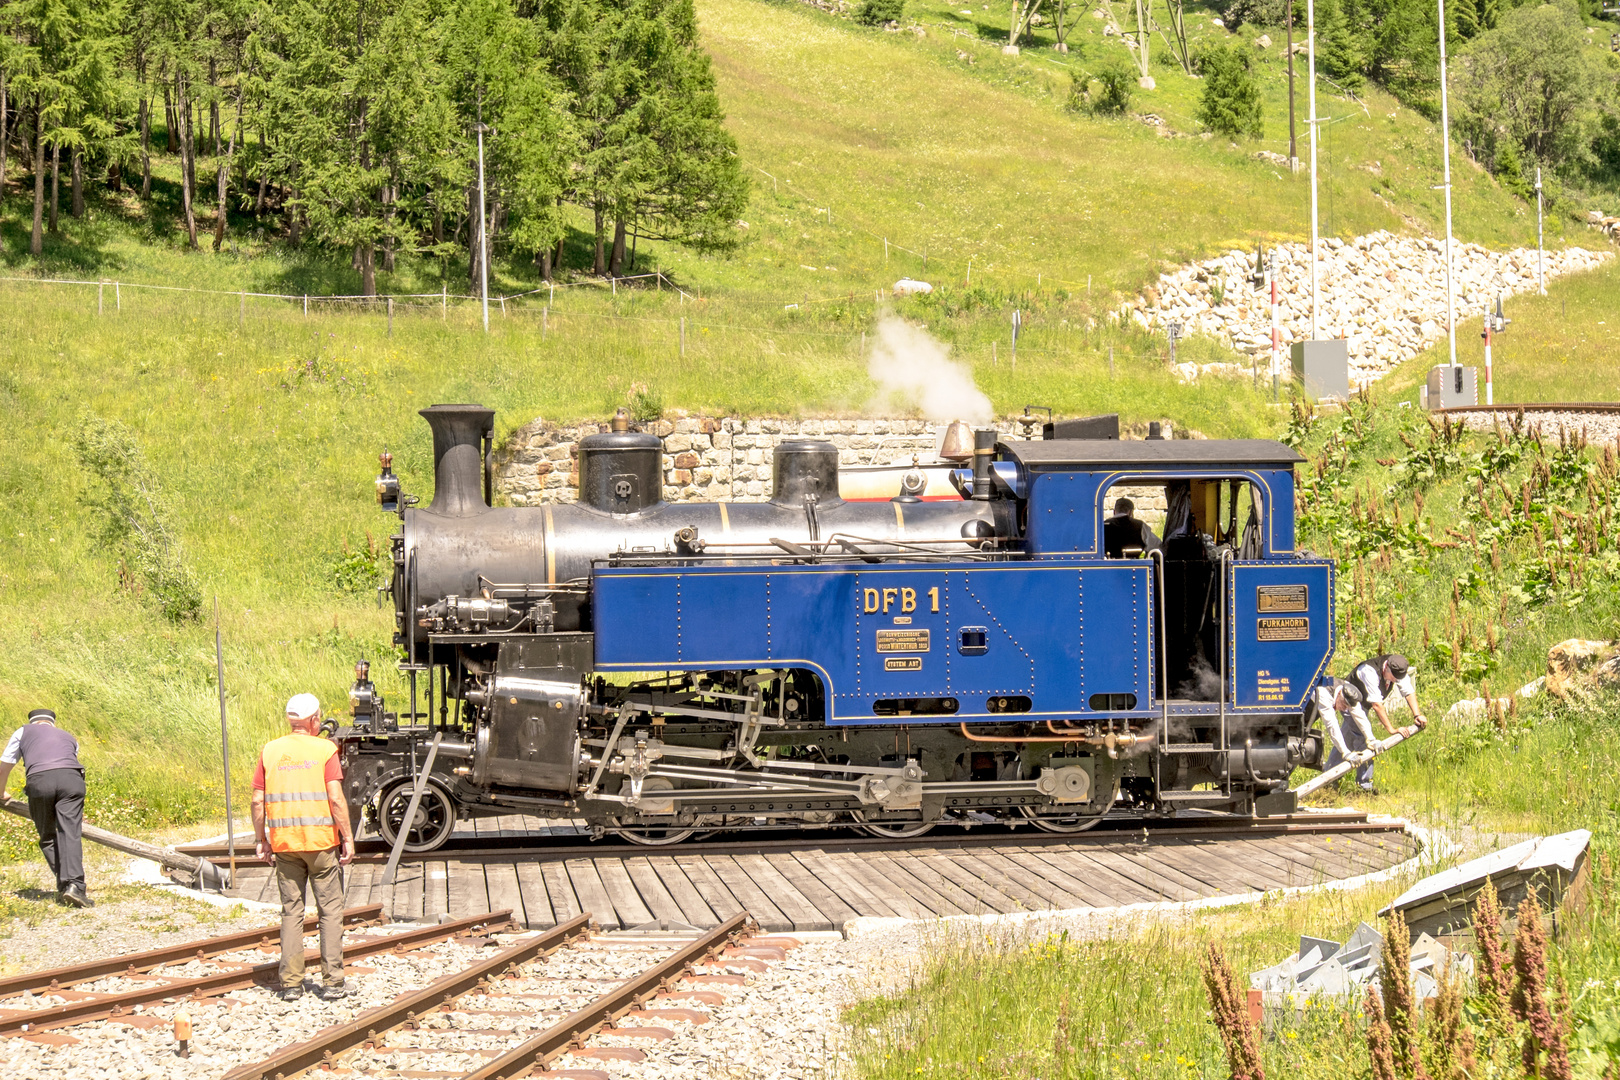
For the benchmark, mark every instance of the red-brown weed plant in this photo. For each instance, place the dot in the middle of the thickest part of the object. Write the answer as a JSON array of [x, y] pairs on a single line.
[[1229, 1010], [1546, 1025], [1399, 1002], [1380, 1041]]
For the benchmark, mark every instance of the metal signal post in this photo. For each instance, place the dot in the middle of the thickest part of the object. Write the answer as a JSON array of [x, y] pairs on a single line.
[[1541, 276], [1276, 330], [1445, 144], [1494, 324], [483, 229]]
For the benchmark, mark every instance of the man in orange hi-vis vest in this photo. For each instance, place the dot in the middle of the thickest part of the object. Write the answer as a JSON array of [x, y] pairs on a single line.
[[301, 821]]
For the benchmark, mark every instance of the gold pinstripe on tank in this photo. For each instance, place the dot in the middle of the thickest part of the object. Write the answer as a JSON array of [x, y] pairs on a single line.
[[899, 521]]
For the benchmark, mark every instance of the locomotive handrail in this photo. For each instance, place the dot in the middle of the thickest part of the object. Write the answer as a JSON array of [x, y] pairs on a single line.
[[1157, 555], [1222, 559], [523, 589]]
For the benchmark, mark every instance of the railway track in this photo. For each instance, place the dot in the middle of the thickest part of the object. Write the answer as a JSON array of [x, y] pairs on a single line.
[[121, 987], [1604, 408], [445, 1028], [461, 846]]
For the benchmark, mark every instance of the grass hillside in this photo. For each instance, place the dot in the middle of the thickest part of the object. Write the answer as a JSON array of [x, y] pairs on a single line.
[[261, 425]]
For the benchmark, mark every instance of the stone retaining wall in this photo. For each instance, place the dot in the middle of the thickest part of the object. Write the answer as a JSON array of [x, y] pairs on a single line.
[[712, 458]]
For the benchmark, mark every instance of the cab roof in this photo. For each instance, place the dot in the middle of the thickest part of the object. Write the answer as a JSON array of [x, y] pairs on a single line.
[[1042, 454]]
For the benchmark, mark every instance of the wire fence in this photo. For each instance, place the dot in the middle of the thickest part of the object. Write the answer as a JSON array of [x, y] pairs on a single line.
[[679, 328]]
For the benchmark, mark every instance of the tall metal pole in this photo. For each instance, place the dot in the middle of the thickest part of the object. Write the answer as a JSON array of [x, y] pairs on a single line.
[[1293, 149], [225, 744], [1276, 329], [483, 232], [1490, 398], [1445, 145], [1541, 277], [1310, 43]]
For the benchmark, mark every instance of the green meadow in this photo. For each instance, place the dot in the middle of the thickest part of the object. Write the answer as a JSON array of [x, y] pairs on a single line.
[[262, 425]]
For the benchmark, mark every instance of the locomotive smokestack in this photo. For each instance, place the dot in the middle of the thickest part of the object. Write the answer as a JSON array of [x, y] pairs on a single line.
[[984, 451], [461, 438]]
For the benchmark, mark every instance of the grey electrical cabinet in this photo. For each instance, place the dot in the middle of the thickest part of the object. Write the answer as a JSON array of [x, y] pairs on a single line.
[[1323, 367], [1451, 387]]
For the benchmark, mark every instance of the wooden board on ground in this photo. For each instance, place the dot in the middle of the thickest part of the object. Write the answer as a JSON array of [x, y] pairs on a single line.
[[809, 888]]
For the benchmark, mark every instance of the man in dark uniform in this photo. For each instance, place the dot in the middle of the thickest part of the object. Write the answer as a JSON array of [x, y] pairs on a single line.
[[1125, 531], [1333, 702], [55, 790]]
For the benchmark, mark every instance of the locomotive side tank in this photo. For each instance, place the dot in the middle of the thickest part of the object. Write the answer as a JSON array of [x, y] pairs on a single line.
[[659, 668]]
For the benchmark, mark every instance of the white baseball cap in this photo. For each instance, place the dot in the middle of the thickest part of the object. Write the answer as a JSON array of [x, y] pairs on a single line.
[[300, 706]]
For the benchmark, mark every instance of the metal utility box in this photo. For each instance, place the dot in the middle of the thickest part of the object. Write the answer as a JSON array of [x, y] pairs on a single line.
[[1086, 427], [1323, 367], [1451, 387]]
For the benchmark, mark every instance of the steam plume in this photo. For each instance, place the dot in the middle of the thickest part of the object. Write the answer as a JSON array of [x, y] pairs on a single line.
[[914, 370]]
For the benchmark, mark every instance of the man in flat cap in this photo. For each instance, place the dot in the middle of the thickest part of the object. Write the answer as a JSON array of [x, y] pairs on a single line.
[[55, 790], [301, 822], [1379, 678]]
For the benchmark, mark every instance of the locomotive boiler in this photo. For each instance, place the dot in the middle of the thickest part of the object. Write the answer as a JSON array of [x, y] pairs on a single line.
[[659, 669]]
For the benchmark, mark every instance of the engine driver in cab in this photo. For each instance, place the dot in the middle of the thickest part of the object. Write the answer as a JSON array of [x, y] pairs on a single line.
[[1126, 532]]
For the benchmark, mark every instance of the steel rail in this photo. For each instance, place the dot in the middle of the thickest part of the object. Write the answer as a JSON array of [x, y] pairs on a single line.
[[582, 846], [1604, 407], [135, 963], [240, 975], [573, 1029], [407, 1008]]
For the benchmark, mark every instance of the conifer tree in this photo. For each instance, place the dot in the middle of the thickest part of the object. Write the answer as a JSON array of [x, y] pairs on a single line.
[[1337, 47]]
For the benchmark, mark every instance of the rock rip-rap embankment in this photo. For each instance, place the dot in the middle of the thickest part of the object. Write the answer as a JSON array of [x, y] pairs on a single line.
[[1385, 294]]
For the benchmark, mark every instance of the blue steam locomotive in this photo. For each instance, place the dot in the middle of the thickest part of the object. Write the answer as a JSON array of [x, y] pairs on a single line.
[[659, 669]]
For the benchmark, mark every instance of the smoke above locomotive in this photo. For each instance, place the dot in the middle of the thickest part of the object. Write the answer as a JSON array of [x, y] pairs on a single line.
[[659, 669]]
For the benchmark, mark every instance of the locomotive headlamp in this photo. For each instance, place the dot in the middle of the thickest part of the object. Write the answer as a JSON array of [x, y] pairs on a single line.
[[387, 484]]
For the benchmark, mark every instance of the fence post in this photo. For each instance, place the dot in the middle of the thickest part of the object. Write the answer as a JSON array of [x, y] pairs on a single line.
[[885, 251], [615, 286], [241, 310], [306, 305], [390, 316], [444, 302], [545, 321], [503, 307], [552, 299], [1110, 361], [101, 287], [118, 297]]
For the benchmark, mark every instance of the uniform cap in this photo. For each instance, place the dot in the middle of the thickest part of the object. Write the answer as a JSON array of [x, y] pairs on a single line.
[[41, 714], [1352, 694], [300, 706], [1398, 667]]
